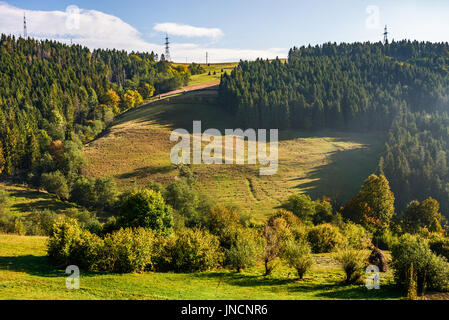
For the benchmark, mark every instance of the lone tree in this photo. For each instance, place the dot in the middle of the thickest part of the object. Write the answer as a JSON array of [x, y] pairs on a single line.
[[146, 208], [373, 206]]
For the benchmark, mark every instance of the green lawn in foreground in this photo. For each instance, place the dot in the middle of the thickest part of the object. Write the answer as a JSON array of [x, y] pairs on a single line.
[[26, 274]]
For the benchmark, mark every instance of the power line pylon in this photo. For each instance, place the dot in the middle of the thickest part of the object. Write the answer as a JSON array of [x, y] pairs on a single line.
[[25, 33], [167, 49], [385, 35]]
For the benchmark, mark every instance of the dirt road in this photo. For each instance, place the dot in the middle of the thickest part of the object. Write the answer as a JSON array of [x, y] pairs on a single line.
[[195, 87]]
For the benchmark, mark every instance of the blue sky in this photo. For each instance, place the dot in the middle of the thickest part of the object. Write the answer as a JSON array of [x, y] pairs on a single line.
[[231, 29]]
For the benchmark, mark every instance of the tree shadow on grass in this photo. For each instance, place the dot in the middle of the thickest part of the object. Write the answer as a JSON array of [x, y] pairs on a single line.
[[29, 194], [342, 176], [39, 266], [34, 265], [244, 280], [146, 171], [42, 205], [348, 292], [331, 290], [42, 201]]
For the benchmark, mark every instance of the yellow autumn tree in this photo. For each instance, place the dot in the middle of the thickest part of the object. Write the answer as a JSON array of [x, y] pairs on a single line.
[[373, 206], [112, 100]]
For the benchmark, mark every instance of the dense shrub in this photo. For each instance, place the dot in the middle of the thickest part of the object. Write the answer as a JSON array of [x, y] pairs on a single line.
[[156, 187], [431, 271], [127, 250], [6, 219], [244, 252], [86, 219], [298, 256], [223, 222], [355, 236], [83, 192], [87, 251], [195, 68], [94, 194], [192, 206], [192, 250], [55, 182], [220, 218], [147, 209], [299, 232], [384, 239], [324, 238], [40, 222], [290, 219], [109, 226], [353, 261], [439, 245], [302, 206], [162, 260], [4, 200], [63, 239], [323, 212]]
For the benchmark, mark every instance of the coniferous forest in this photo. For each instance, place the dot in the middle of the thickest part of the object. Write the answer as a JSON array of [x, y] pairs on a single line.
[[399, 88], [52, 93]]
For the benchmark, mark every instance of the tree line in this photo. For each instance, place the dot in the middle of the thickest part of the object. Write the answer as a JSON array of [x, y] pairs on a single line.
[[399, 88]]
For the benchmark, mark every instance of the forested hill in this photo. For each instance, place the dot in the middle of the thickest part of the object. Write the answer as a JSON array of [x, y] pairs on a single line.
[[400, 88], [349, 86], [52, 92]]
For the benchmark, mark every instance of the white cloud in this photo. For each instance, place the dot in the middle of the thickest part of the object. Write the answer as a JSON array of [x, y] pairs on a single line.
[[185, 30], [198, 54], [95, 29]]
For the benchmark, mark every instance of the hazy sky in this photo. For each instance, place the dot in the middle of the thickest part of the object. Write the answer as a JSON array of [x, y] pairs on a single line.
[[228, 29]]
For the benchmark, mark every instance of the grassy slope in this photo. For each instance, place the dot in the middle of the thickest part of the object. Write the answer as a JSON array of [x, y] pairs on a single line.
[[136, 150], [212, 67], [26, 274], [23, 200]]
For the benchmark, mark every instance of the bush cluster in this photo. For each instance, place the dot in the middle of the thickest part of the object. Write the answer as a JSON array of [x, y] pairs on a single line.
[[132, 249], [324, 238], [430, 271]]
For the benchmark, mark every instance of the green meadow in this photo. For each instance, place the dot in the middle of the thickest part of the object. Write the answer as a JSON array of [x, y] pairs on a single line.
[[135, 150], [26, 274]]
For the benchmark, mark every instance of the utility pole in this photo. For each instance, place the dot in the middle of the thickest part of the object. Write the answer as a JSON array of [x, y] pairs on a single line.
[[207, 57]]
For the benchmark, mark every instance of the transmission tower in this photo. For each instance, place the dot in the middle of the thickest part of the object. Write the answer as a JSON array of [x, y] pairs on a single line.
[[25, 33], [167, 49], [385, 35]]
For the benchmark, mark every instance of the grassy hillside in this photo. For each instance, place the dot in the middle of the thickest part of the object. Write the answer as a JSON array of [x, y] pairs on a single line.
[[23, 200], [136, 150], [218, 68], [26, 274]]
